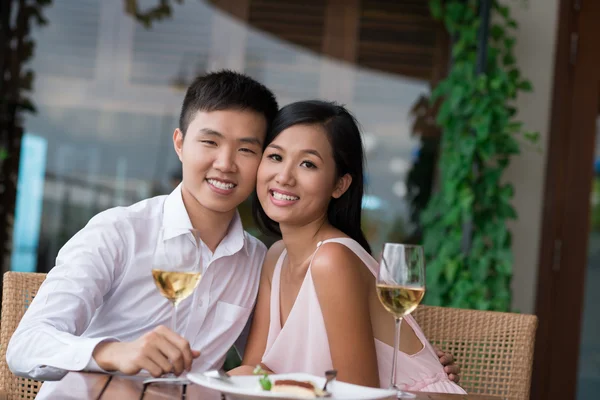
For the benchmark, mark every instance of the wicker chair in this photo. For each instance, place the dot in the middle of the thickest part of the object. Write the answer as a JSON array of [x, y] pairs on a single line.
[[19, 289], [493, 349]]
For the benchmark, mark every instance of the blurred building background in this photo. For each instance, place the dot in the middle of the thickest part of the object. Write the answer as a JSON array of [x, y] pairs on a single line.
[[108, 92]]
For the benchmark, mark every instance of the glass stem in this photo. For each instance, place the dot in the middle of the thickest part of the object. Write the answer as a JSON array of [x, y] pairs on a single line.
[[174, 318], [396, 350]]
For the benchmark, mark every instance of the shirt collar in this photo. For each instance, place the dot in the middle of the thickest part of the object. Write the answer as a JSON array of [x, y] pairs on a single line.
[[175, 215], [235, 239]]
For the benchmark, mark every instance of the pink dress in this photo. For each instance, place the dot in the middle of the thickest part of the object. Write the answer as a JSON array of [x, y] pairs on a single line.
[[302, 346]]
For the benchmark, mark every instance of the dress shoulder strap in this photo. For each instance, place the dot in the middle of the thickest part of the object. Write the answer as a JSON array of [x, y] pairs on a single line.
[[274, 307], [356, 248]]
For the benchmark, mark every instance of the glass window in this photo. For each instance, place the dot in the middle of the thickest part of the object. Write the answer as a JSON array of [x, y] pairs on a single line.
[[108, 93]]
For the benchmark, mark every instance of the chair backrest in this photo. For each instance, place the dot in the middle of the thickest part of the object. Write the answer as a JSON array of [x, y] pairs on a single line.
[[494, 349], [19, 289]]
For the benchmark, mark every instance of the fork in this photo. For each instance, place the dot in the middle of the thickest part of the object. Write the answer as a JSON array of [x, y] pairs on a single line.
[[218, 374], [329, 376]]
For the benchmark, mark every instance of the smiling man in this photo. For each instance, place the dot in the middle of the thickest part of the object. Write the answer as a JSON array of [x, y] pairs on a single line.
[[99, 309]]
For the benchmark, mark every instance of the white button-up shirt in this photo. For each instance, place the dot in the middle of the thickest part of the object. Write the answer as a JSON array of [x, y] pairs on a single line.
[[102, 288]]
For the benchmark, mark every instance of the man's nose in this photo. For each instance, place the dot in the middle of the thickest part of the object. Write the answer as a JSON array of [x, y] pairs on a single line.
[[225, 161]]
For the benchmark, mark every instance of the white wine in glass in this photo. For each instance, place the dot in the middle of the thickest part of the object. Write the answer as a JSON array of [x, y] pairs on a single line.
[[400, 300], [175, 286], [400, 288], [177, 265]]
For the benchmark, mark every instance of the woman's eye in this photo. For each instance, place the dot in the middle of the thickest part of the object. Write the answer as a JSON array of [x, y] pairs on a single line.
[[274, 157], [308, 164]]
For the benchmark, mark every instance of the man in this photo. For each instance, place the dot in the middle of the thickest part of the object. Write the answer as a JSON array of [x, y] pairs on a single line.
[[99, 309]]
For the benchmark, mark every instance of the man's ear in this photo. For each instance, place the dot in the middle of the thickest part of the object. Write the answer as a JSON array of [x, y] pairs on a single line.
[[178, 142], [342, 185]]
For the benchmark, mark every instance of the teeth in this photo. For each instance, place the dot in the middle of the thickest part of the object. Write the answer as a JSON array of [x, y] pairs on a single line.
[[221, 185], [280, 196]]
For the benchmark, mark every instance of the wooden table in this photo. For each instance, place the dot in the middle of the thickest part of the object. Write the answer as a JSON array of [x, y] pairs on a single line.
[[78, 385]]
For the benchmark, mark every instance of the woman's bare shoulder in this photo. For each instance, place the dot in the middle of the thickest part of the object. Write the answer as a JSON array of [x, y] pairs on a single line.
[[335, 264]]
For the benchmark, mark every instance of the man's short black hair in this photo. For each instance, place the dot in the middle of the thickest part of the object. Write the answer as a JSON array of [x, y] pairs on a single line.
[[226, 90]]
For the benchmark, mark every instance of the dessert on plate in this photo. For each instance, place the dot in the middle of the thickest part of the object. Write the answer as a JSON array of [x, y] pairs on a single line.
[[304, 389], [300, 389]]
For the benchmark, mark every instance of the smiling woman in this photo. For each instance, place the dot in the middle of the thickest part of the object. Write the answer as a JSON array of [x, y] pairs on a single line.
[[317, 287], [294, 172], [299, 150]]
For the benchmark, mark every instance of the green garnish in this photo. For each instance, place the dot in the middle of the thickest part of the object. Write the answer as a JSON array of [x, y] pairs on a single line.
[[264, 380]]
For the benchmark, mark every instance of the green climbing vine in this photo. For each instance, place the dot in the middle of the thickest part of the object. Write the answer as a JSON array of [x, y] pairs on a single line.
[[480, 134]]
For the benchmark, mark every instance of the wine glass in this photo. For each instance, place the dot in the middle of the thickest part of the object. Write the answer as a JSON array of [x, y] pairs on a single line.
[[177, 265], [400, 288]]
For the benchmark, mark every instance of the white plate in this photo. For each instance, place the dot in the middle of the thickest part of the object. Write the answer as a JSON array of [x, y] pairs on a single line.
[[247, 387]]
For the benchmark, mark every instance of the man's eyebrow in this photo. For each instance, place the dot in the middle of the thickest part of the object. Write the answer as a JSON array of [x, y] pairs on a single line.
[[249, 139], [211, 132]]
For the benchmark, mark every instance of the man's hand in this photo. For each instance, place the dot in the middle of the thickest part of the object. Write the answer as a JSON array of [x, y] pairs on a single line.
[[159, 352], [447, 360]]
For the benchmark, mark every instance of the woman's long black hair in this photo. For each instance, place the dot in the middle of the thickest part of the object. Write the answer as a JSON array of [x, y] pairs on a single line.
[[343, 133]]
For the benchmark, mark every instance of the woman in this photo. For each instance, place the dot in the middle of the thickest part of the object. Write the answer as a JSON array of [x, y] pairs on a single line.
[[317, 307]]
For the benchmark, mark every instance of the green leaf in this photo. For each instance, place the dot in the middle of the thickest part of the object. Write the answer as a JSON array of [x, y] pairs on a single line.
[[495, 84], [525, 86], [451, 269], [457, 96], [480, 268], [507, 191], [509, 43], [514, 127], [504, 262], [467, 146], [504, 11], [496, 32], [506, 211], [435, 7], [508, 59], [455, 10], [482, 127], [466, 198], [432, 297], [514, 74], [533, 137], [434, 271], [483, 304]]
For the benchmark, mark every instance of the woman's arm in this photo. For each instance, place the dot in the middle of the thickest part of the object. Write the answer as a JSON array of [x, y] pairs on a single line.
[[343, 296], [257, 340]]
